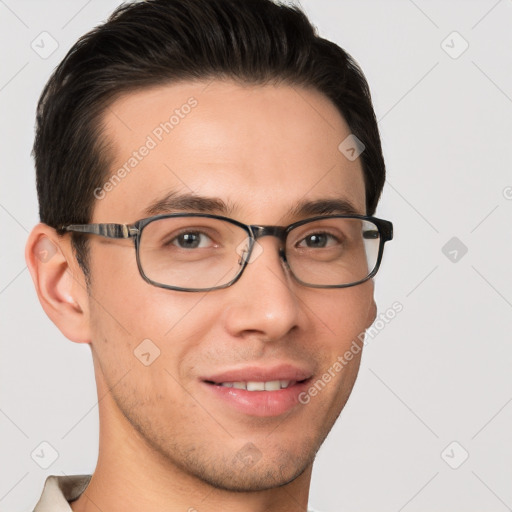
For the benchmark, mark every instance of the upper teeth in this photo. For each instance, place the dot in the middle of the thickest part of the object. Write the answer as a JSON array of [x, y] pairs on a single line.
[[271, 385]]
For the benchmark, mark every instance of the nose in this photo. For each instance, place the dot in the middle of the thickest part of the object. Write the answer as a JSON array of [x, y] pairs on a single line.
[[263, 302]]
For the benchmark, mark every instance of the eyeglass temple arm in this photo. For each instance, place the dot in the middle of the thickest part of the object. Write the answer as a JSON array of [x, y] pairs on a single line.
[[130, 231], [386, 227], [105, 230]]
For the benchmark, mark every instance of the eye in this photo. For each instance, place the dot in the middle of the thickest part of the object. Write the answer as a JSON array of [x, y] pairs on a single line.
[[191, 240], [318, 241]]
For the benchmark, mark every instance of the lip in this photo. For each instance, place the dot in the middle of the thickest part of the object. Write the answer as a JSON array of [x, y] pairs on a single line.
[[259, 374], [258, 403]]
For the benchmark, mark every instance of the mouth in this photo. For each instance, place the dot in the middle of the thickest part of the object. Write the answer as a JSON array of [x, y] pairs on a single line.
[[258, 391], [253, 385]]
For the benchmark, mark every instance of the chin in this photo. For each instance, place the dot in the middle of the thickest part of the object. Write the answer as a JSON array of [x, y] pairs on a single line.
[[252, 479], [249, 468]]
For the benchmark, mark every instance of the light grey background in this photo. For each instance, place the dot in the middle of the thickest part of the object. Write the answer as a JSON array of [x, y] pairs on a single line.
[[439, 372]]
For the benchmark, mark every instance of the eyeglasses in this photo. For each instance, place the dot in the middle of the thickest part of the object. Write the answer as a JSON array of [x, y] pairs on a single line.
[[200, 252]]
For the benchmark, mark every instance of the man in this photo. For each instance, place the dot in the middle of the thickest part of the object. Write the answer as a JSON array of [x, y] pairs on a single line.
[[207, 173]]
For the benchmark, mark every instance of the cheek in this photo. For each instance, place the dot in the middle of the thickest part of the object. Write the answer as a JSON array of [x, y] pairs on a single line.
[[123, 297], [344, 314], [341, 317], [126, 312]]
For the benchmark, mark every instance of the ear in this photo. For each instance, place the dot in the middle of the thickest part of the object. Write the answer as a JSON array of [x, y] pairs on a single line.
[[372, 313], [372, 307], [59, 282]]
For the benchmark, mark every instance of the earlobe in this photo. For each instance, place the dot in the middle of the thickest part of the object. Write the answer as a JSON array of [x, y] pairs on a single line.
[[59, 283], [372, 313]]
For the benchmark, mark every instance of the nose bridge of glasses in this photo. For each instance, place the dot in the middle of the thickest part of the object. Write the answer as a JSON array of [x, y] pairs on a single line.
[[279, 232], [261, 231]]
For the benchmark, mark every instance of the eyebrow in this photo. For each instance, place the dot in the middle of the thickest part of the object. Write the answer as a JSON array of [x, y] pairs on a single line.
[[178, 202], [338, 206]]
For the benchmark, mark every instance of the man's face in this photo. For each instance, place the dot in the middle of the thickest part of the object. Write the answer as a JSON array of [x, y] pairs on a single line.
[[261, 150]]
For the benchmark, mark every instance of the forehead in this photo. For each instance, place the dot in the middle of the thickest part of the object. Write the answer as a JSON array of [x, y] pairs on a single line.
[[259, 148]]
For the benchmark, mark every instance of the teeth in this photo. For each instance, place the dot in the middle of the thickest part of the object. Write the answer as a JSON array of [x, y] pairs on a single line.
[[255, 386], [271, 385]]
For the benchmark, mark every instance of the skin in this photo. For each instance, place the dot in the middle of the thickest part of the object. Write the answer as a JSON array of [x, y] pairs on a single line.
[[261, 149]]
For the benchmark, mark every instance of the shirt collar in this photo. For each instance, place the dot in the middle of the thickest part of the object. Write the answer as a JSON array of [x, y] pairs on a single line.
[[59, 491]]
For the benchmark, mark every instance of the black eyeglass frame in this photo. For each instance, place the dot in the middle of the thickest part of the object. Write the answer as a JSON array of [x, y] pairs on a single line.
[[134, 231]]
